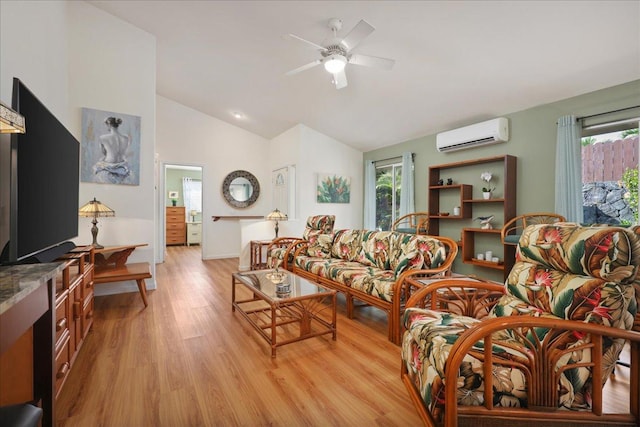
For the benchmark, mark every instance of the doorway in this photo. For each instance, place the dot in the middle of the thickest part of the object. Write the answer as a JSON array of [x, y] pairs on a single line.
[[183, 206]]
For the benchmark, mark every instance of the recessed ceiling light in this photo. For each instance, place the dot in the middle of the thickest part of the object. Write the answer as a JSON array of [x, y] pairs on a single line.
[[237, 115]]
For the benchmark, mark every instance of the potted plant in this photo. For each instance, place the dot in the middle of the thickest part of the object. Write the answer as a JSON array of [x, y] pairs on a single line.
[[173, 195], [487, 189]]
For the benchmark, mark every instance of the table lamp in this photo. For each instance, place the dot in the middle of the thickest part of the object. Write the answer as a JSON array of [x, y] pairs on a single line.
[[95, 209], [276, 216]]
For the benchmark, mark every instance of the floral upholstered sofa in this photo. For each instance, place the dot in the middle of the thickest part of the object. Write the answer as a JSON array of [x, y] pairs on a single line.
[[372, 266], [539, 348], [280, 252]]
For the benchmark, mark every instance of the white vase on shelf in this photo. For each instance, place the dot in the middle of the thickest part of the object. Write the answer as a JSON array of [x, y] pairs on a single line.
[[486, 195]]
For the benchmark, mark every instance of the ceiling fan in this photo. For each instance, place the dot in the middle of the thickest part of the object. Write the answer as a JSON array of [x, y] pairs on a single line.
[[337, 53]]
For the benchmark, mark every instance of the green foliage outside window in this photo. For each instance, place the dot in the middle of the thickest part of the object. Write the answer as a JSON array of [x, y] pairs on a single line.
[[630, 183], [387, 203], [588, 140]]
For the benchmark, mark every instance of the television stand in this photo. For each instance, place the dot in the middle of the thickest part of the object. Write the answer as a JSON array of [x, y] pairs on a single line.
[[46, 312]]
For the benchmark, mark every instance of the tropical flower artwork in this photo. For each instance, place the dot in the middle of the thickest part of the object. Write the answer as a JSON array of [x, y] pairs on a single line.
[[486, 177], [333, 189]]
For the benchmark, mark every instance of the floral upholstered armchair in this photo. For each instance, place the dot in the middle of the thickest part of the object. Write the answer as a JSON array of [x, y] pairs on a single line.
[[538, 350], [318, 231]]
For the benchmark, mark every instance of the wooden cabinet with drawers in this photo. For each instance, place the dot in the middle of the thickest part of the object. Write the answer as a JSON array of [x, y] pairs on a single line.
[[41, 329], [73, 311], [176, 232]]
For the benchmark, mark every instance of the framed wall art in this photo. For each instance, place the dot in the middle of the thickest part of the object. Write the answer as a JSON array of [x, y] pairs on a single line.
[[333, 188], [110, 148]]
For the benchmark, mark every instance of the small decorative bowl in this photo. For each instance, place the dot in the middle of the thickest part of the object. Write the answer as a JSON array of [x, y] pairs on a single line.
[[444, 214], [276, 277]]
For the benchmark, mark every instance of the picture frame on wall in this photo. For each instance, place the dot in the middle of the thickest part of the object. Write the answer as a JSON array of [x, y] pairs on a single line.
[[110, 148], [333, 188]]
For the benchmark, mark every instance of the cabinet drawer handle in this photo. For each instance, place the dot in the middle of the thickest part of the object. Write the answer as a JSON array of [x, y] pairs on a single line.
[[63, 370], [61, 324], [90, 314]]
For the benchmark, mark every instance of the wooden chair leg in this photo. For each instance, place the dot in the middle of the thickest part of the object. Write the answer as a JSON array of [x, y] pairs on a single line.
[[349, 306], [142, 287]]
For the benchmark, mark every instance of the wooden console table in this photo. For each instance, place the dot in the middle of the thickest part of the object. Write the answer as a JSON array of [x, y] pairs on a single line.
[[117, 255], [111, 266]]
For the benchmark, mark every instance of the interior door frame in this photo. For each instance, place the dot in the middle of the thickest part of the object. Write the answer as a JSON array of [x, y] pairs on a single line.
[[162, 200]]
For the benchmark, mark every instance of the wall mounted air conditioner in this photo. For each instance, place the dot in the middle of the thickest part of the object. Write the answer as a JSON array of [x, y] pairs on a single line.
[[485, 133]]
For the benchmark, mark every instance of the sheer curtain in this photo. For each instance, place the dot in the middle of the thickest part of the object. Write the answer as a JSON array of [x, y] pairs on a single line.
[[569, 169], [192, 194], [407, 193], [369, 195]]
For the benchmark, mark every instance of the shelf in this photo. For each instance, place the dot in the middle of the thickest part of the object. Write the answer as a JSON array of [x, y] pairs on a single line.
[[444, 187], [483, 230], [484, 201], [483, 263], [503, 207], [217, 217]]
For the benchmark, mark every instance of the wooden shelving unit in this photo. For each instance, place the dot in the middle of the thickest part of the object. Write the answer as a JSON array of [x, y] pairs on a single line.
[[506, 205]]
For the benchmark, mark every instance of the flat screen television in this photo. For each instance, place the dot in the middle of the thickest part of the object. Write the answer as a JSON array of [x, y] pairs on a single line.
[[44, 182]]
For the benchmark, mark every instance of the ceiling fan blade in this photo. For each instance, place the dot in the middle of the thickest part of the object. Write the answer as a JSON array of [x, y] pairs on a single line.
[[314, 45], [371, 61], [357, 34], [304, 67], [340, 79]]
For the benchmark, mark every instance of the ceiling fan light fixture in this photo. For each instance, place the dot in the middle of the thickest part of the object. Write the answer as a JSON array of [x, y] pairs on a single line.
[[335, 63]]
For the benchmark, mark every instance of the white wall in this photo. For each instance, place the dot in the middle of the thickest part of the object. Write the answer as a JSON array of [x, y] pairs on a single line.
[[112, 67], [320, 154], [312, 153], [187, 136], [33, 47], [71, 55]]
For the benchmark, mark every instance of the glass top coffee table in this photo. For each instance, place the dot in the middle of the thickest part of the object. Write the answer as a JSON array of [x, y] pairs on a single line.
[[285, 308]]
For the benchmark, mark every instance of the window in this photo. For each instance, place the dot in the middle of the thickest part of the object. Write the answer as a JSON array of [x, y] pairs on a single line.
[[388, 180], [192, 189], [610, 175]]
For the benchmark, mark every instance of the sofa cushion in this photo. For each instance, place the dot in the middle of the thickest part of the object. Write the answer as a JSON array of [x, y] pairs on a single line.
[[345, 272], [375, 282], [322, 223], [276, 257], [415, 252], [319, 244], [567, 296], [602, 252], [347, 244], [377, 249]]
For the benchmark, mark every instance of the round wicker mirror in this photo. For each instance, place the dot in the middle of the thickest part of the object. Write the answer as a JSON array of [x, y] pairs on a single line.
[[240, 189]]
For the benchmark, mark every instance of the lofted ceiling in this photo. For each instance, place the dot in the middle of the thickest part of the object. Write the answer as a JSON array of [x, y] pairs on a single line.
[[457, 62]]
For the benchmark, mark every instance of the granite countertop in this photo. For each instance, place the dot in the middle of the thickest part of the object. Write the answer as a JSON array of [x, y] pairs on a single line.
[[18, 281]]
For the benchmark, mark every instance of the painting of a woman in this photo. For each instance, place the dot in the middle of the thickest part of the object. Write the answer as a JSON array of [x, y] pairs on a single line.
[[112, 157]]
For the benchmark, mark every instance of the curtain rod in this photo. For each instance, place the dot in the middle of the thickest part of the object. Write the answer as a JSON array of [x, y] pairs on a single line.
[[413, 155], [608, 112]]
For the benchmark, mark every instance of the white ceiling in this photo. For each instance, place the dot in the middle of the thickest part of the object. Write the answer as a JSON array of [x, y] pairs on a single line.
[[457, 62]]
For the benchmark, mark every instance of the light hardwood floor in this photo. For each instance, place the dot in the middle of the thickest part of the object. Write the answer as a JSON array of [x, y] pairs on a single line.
[[187, 360]]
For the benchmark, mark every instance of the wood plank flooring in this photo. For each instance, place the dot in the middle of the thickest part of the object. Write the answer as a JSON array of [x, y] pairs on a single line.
[[187, 360]]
